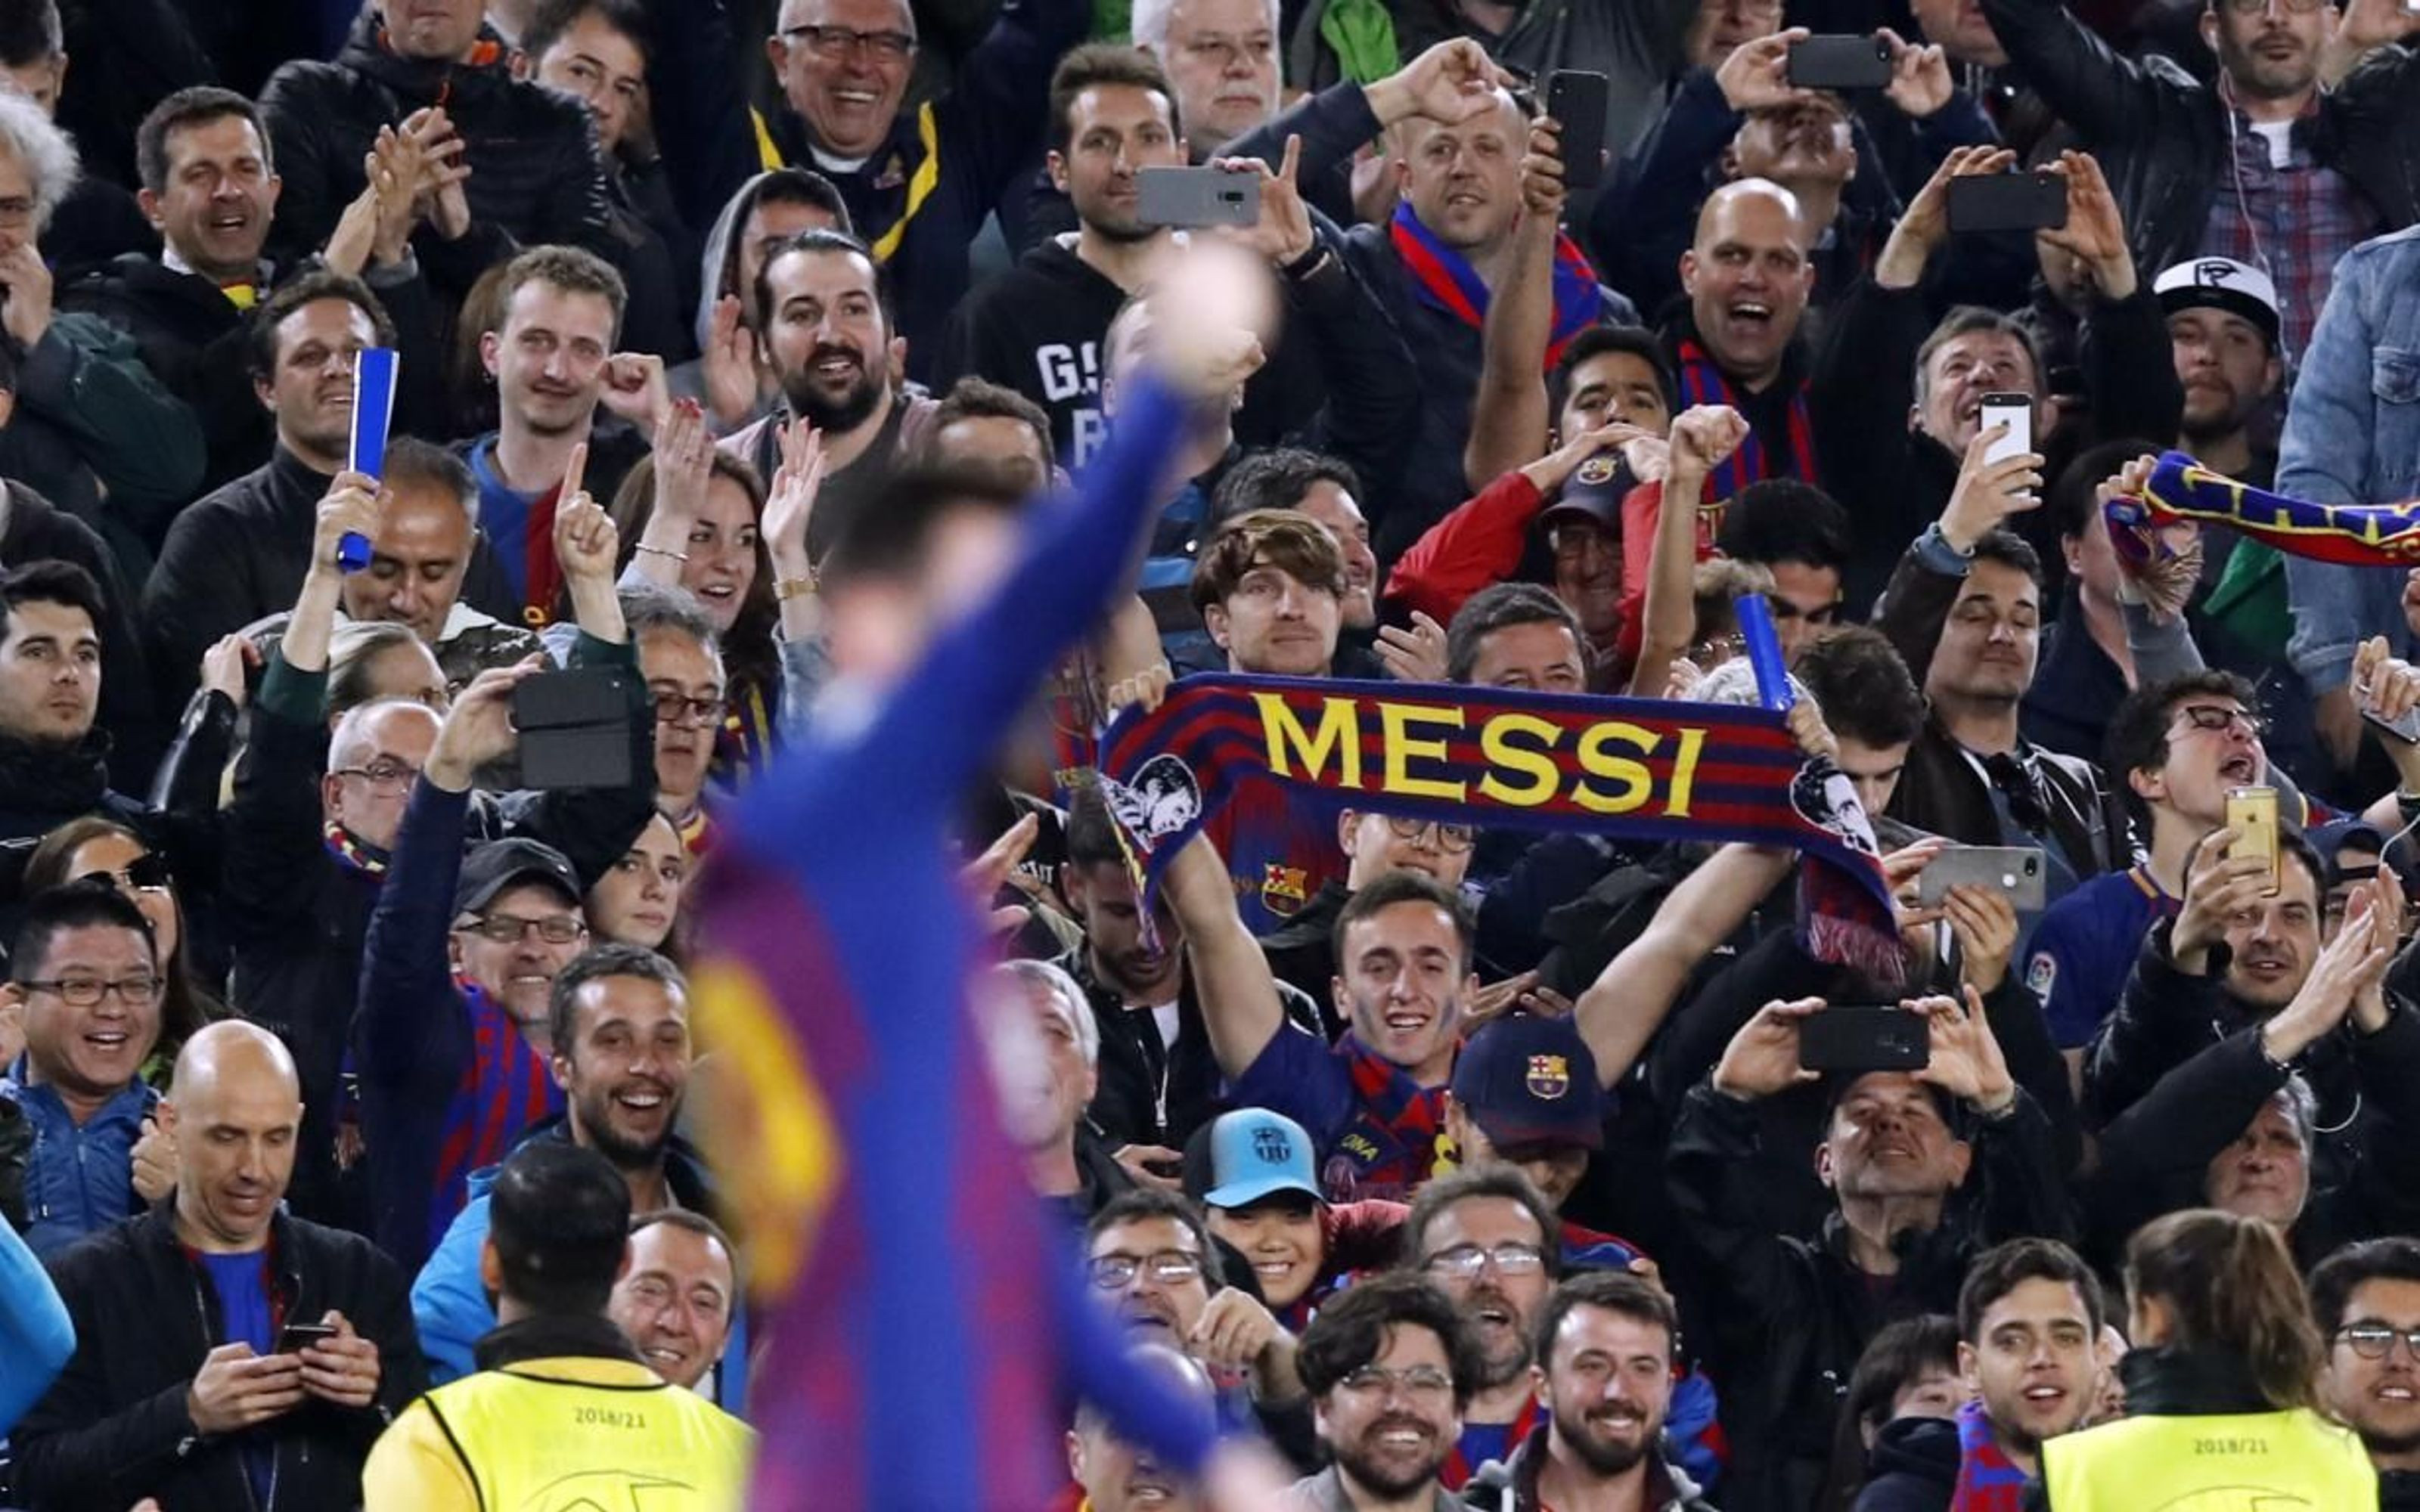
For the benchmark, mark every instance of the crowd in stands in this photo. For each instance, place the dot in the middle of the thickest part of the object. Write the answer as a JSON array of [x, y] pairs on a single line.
[[356, 1124]]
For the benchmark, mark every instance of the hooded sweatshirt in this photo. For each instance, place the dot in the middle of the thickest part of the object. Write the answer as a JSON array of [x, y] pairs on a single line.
[[1040, 329]]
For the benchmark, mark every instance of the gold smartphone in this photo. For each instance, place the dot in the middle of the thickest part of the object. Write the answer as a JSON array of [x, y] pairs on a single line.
[[2252, 813]]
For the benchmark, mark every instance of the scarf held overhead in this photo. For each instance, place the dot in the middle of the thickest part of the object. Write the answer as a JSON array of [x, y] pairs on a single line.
[[1444, 280], [1636, 768], [2359, 535]]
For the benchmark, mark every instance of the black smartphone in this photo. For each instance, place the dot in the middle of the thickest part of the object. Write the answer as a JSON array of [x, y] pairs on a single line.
[[296, 1337], [1849, 1038], [574, 728], [1576, 101], [1834, 62], [2007, 201], [1197, 197]]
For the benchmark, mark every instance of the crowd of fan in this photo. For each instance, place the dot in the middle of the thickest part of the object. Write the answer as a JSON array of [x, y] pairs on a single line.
[[1468, 1166]]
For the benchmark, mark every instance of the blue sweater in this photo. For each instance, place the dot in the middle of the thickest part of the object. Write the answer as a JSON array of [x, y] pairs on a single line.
[[37, 1337]]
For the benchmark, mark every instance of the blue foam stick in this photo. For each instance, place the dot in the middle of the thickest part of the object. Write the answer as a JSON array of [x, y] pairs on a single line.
[[373, 414], [1764, 652]]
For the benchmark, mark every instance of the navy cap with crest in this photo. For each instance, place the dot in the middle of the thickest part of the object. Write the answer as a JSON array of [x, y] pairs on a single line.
[[1593, 493], [1527, 1080]]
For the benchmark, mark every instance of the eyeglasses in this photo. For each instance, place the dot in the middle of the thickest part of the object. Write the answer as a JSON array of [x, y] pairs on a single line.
[[383, 776], [1448, 837], [2212, 716], [1419, 1380], [1464, 1261], [145, 874], [838, 42], [507, 929], [1169, 1267], [2254, 7], [2376, 1341], [87, 992], [677, 708]]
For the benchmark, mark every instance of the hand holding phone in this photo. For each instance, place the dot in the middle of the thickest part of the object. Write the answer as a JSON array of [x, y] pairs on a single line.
[[1858, 1038], [1837, 62], [296, 1337], [1193, 198], [2033, 201], [1576, 101], [2252, 813]]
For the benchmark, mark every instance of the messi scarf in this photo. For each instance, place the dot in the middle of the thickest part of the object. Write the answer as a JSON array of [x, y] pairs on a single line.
[[1987, 1480], [1702, 382], [2357, 535], [1444, 280], [1636, 768]]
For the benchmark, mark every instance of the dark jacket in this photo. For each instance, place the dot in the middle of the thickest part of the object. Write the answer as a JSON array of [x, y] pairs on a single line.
[[1940, 792], [1428, 450], [114, 1428], [2164, 138], [1147, 1092], [37, 529], [240, 555], [1797, 1312], [1895, 480], [295, 914], [194, 342], [537, 176], [2398, 1490], [1912, 1468], [2164, 1018], [1511, 1485], [2155, 1156], [44, 784], [985, 131]]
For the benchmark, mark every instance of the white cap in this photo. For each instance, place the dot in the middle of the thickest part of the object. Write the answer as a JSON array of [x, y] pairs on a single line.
[[2223, 284]]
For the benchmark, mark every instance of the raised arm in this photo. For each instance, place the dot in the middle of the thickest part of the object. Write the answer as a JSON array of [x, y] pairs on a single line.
[[1509, 418], [1701, 439], [1624, 1008]]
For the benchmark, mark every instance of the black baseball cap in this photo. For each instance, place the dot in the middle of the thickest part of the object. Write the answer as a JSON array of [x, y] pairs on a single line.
[[1527, 1080], [490, 868]]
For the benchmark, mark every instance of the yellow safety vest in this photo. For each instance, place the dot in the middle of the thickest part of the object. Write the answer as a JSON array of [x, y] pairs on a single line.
[[2295, 1461], [557, 1435]]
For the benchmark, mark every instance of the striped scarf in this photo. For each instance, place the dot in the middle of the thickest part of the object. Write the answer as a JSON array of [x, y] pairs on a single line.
[[1987, 1481], [1443, 279], [1390, 1147], [505, 1090], [2359, 535], [1702, 382]]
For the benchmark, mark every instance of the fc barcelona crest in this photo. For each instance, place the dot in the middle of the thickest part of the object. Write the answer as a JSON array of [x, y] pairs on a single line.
[[1550, 1076]]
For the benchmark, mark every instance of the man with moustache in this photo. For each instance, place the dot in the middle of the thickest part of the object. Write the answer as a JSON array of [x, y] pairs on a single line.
[[618, 1025], [831, 340], [1487, 1240], [1389, 1366], [2028, 1337], [2367, 1300], [1605, 1348], [184, 1386]]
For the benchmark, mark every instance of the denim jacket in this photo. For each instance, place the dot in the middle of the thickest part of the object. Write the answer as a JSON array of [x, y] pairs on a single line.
[[78, 1179], [2352, 436]]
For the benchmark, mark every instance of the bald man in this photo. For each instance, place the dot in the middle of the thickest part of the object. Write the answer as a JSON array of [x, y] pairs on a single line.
[[1747, 276], [224, 1349], [1436, 268]]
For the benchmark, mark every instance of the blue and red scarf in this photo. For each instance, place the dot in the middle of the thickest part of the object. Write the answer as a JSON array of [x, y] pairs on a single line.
[[1655, 770], [1987, 1481], [2359, 535], [1443, 279], [1702, 382], [1393, 1143], [506, 1089]]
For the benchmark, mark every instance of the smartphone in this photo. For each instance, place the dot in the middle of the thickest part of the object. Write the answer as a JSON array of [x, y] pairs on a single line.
[[1849, 1037], [1834, 62], [2015, 410], [1197, 197], [296, 1337], [2252, 813], [574, 728], [2016, 869], [2406, 729], [1576, 101], [2007, 201]]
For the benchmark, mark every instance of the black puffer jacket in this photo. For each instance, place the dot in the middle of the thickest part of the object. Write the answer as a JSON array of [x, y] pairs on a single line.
[[536, 173], [2162, 135], [1913, 1466]]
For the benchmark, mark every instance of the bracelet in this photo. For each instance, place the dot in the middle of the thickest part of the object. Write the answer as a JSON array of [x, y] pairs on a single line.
[[1306, 265], [786, 589], [681, 557]]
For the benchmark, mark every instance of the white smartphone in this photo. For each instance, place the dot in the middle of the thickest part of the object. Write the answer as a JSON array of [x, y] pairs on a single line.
[[2015, 410]]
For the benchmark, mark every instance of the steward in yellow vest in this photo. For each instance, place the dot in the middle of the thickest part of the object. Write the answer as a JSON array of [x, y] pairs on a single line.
[[2200, 1439], [561, 1414]]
